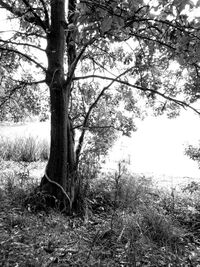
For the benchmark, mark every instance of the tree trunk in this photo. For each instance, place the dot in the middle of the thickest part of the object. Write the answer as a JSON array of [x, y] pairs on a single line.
[[60, 176]]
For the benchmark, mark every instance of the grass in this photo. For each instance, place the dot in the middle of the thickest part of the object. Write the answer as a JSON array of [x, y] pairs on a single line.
[[127, 222], [26, 149]]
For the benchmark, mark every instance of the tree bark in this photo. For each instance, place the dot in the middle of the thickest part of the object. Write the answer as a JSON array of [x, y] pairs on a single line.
[[59, 179]]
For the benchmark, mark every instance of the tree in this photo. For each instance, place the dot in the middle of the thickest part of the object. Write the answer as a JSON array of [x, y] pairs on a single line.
[[84, 43]]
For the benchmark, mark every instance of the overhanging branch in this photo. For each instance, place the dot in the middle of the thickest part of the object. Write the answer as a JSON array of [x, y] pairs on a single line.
[[177, 101], [22, 44], [29, 83], [20, 85]]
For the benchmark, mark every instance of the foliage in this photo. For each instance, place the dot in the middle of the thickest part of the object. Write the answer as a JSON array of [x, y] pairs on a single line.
[[193, 152], [20, 96], [25, 102]]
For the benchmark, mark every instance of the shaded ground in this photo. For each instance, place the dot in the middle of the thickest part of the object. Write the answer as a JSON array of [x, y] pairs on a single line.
[[28, 239], [146, 229], [45, 240]]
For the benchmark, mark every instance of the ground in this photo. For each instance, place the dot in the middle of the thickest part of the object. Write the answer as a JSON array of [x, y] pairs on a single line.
[[146, 229]]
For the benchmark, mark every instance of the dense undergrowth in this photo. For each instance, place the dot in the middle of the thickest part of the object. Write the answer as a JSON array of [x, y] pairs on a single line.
[[126, 221]]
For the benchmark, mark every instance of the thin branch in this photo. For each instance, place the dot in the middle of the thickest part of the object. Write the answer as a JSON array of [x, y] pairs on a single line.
[[101, 66], [6, 98], [45, 13], [10, 9], [104, 51], [74, 64], [99, 127], [18, 13], [21, 84], [25, 44], [28, 34], [81, 138], [25, 56], [179, 102], [138, 36], [29, 83], [37, 20]]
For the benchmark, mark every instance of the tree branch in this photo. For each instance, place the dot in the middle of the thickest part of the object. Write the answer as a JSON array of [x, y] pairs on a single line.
[[99, 127], [179, 102], [75, 62], [29, 34], [10, 9], [24, 55], [7, 97], [25, 44], [29, 83], [81, 138], [45, 13], [37, 20], [18, 13], [21, 84]]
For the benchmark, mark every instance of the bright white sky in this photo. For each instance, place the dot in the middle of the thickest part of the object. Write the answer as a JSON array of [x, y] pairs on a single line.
[[158, 146]]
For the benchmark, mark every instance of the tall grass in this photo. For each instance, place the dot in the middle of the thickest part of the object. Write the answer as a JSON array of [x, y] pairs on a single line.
[[27, 149]]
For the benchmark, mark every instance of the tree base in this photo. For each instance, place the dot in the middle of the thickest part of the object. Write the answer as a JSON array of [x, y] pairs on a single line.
[[56, 198]]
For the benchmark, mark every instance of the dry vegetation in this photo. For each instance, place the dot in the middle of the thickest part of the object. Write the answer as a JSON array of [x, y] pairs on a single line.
[[126, 221]]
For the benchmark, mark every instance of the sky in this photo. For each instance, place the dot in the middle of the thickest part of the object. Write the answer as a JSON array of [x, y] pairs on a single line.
[[157, 147]]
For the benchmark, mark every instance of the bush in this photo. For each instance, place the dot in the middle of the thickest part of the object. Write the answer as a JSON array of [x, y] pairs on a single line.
[[26, 149]]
